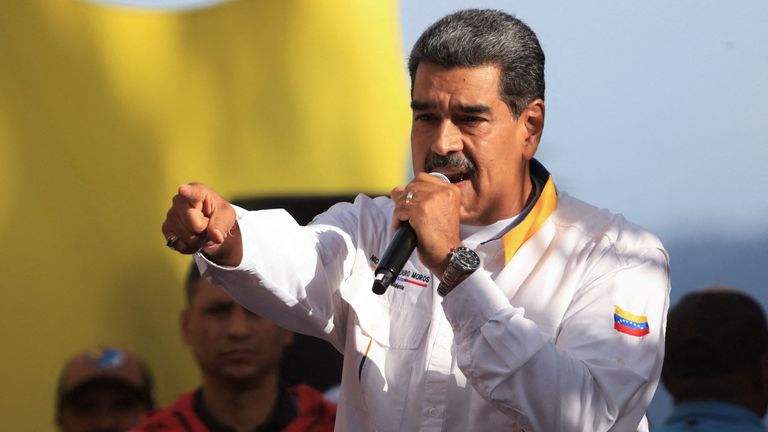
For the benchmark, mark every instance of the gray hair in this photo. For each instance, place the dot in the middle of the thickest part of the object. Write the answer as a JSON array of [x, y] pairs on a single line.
[[478, 37]]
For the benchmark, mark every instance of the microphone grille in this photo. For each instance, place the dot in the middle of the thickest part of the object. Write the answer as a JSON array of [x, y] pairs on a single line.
[[441, 176]]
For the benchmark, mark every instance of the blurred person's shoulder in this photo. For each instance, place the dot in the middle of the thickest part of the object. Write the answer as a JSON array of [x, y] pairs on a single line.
[[315, 412], [179, 416]]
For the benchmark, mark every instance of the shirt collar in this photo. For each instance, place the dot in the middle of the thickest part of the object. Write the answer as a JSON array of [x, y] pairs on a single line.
[[286, 409], [542, 204]]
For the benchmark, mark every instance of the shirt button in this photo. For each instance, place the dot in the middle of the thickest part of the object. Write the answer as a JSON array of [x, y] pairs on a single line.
[[432, 412]]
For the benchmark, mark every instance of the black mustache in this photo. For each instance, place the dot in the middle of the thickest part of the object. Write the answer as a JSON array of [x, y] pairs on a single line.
[[435, 161]]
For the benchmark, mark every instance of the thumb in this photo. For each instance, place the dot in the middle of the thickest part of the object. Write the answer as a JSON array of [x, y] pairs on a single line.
[[222, 219]]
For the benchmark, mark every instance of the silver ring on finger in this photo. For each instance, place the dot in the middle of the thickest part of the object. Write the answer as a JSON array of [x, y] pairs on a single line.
[[409, 197]]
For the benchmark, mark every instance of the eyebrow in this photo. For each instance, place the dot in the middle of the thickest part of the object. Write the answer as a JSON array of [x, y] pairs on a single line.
[[469, 109], [218, 304], [421, 106]]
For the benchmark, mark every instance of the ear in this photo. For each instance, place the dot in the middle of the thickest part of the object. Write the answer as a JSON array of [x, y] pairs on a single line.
[[184, 324], [532, 120]]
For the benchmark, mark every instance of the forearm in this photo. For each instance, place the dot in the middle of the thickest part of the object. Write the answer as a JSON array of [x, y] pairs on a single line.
[[288, 273], [586, 377], [554, 390]]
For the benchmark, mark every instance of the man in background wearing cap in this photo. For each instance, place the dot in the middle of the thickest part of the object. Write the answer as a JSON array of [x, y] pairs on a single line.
[[239, 356], [716, 364], [103, 390]]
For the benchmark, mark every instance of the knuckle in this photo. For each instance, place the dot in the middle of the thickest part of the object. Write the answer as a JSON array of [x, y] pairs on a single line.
[[190, 214], [185, 248], [197, 227], [453, 192]]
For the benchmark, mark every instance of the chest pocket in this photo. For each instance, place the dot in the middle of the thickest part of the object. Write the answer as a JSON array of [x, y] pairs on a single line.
[[398, 319]]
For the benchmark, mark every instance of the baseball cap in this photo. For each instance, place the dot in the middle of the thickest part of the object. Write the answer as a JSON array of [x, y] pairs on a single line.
[[105, 366]]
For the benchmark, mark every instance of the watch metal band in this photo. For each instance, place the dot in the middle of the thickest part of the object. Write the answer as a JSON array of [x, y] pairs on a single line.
[[463, 262]]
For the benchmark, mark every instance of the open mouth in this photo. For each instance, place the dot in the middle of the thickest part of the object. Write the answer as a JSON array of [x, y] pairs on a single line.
[[458, 177]]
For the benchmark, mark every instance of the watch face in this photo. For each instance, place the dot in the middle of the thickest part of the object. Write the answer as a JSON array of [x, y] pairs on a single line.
[[466, 259]]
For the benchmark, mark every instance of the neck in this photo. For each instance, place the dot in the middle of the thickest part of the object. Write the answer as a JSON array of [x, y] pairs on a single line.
[[241, 408], [528, 191], [522, 195], [525, 193]]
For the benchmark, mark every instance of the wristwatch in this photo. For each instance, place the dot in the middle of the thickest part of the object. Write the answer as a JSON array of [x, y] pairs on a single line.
[[463, 262]]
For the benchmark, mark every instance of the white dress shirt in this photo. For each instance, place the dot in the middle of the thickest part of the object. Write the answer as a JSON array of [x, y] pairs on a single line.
[[525, 346]]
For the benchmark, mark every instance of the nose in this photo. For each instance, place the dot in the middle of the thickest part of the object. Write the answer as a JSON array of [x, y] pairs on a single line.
[[448, 138], [239, 324]]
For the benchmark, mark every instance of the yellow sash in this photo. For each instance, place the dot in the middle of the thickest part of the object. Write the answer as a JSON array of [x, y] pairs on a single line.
[[545, 204]]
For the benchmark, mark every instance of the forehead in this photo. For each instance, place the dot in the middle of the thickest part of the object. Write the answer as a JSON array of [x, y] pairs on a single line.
[[101, 389], [206, 292], [461, 84]]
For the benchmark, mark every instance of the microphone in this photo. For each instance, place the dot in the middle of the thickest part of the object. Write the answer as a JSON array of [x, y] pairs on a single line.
[[399, 250]]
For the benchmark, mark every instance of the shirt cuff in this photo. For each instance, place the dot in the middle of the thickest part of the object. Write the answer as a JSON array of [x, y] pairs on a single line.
[[474, 302], [205, 265]]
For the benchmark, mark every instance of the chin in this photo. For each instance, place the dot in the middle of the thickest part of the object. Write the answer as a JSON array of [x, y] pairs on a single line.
[[241, 371], [243, 378]]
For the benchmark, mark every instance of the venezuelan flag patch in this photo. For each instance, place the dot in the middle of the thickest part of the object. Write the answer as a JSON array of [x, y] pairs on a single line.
[[629, 323]]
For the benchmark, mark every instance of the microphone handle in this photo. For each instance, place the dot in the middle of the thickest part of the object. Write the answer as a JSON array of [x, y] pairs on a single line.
[[399, 250]]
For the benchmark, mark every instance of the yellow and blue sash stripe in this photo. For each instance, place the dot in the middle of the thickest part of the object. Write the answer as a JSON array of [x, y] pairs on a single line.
[[533, 215]]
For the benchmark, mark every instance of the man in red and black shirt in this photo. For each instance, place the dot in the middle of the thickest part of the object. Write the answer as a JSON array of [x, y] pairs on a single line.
[[239, 355]]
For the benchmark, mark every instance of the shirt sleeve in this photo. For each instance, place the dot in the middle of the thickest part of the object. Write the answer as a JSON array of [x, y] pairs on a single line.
[[589, 376], [290, 274]]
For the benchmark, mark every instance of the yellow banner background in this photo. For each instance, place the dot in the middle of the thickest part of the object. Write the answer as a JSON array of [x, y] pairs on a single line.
[[104, 111]]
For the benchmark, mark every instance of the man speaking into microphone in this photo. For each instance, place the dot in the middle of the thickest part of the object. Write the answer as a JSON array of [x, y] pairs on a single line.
[[523, 309]]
